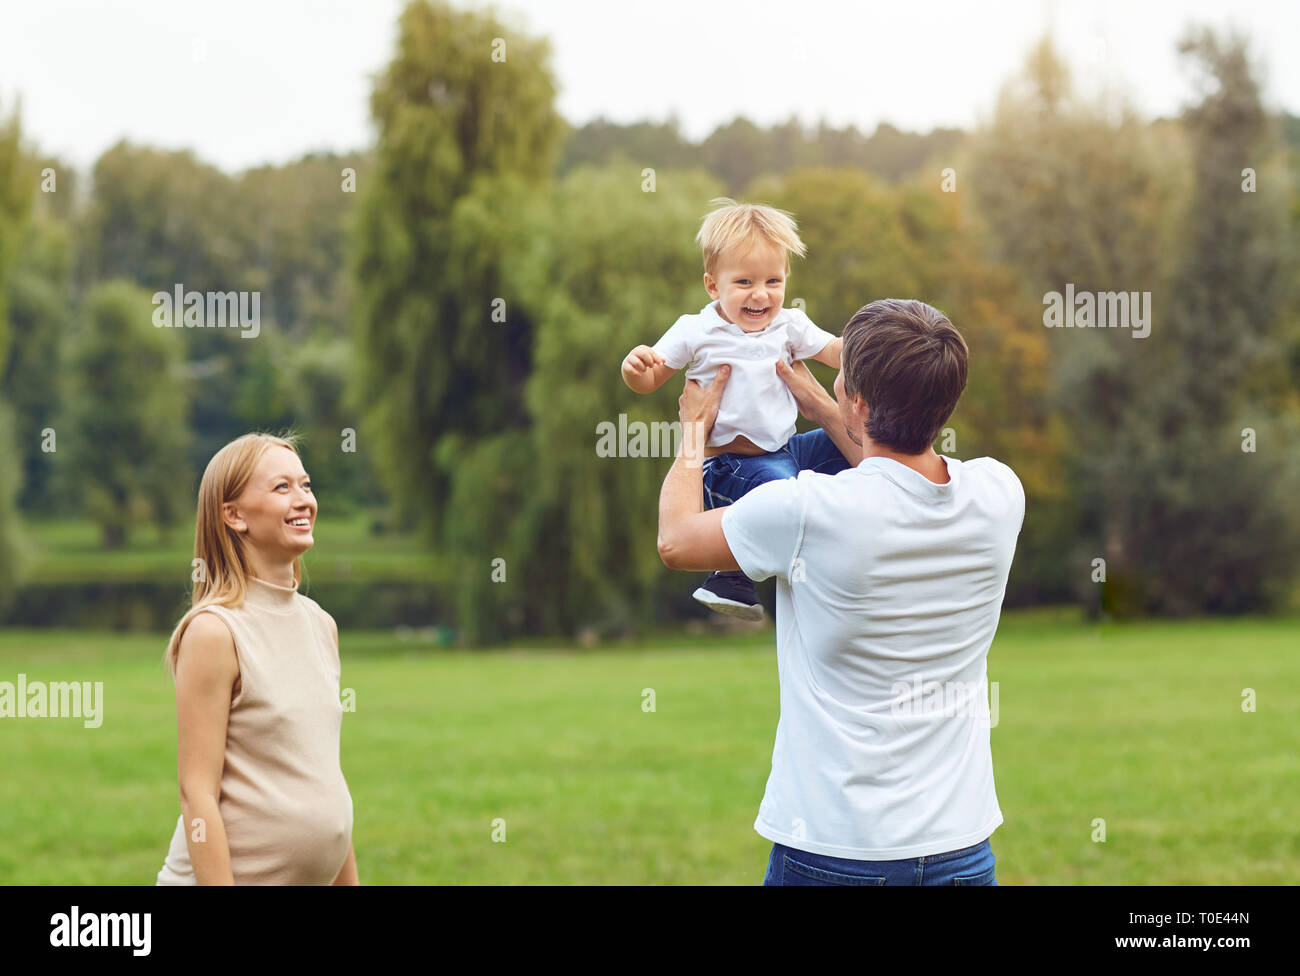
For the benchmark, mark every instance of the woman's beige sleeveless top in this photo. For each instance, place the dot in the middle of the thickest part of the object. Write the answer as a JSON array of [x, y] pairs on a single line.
[[284, 803]]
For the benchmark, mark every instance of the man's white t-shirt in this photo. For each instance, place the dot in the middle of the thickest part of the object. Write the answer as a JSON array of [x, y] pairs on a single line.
[[756, 402], [889, 589]]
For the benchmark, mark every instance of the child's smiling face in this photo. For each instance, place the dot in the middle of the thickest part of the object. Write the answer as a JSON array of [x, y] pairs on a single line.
[[749, 286]]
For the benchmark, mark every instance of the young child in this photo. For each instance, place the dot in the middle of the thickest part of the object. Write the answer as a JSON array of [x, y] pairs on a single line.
[[747, 252]]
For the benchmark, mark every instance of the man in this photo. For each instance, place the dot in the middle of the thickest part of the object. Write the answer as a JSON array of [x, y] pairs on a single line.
[[890, 579]]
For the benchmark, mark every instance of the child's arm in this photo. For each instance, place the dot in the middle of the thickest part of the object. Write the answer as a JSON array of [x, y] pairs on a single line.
[[644, 370], [830, 354]]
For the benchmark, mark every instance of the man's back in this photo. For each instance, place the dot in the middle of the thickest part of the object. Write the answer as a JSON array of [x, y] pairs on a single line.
[[888, 596]]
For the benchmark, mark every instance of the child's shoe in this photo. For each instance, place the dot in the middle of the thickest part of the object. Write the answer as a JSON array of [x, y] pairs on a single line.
[[731, 593]]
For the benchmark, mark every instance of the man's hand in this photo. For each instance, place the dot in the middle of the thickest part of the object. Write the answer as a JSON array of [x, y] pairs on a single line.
[[814, 402], [820, 407], [697, 407]]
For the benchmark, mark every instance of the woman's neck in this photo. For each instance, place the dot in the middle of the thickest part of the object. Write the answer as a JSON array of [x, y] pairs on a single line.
[[272, 570]]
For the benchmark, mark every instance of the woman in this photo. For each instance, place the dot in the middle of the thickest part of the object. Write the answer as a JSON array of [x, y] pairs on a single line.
[[256, 669]]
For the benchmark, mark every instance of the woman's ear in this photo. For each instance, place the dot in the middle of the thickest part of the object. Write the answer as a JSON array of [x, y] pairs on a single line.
[[230, 515]]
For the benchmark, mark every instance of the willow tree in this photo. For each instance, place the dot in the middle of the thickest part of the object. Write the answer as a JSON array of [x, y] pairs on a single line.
[[17, 187], [466, 128], [570, 505]]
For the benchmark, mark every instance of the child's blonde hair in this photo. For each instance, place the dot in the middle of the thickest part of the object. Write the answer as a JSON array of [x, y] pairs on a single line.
[[224, 579], [742, 226]]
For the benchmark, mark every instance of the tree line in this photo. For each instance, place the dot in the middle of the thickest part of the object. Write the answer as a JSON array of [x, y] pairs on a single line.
[[443, 314]]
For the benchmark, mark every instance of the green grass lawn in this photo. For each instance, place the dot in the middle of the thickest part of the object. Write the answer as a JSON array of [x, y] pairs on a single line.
[[1137, 724]]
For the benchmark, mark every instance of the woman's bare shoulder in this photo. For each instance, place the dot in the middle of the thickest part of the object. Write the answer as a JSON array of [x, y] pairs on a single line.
[[207, 639], [207, 628]]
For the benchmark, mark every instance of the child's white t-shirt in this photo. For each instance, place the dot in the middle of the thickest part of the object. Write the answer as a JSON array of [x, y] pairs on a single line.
[[756, 403]]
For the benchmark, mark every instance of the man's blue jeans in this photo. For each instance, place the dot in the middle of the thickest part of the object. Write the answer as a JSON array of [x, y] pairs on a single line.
[[728, 477], [968, 866]]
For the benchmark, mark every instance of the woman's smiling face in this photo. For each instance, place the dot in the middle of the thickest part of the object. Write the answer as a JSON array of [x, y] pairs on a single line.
[[277, 510], [749, 286]]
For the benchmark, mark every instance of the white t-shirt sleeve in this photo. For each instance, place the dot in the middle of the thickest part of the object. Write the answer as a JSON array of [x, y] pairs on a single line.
[[764, 528], [676, 345], [806, 338], [1019, 490]]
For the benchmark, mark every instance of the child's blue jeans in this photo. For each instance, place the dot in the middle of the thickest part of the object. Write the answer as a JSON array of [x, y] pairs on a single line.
[[728, 477]]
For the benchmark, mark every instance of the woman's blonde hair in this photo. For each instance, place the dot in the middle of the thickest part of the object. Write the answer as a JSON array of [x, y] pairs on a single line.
[[221, 567], [740, 226]]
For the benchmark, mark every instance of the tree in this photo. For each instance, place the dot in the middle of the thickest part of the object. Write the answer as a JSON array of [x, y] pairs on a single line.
[[317, 378], [17, 186], [739, 151], [656, 144], [162, 218], [293, 230], [599, 266], [736, 152], [39, 295], [1077, 192], [467, 128], [159, 218], [1208, 525], [125, 436]]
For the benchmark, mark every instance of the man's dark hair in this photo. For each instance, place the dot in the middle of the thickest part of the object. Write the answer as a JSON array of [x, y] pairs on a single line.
[[908, 362]]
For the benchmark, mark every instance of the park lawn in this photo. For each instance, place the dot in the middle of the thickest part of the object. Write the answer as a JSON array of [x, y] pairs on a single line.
[[1137, 725]]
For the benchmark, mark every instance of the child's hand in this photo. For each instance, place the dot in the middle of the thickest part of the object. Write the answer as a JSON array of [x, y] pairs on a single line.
[[641, 359]]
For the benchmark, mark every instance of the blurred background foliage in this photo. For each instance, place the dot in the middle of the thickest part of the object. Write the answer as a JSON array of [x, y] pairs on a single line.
[[462, 315]]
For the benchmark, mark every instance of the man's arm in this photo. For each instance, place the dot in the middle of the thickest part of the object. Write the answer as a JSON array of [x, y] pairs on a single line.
[[817, 405], [690, 537]]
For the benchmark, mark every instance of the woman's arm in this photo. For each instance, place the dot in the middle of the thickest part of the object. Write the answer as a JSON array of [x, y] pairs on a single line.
[[348, 873], [206, 671]]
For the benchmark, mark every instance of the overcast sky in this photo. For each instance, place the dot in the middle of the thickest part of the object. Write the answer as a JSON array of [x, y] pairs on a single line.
[[244, 82]]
